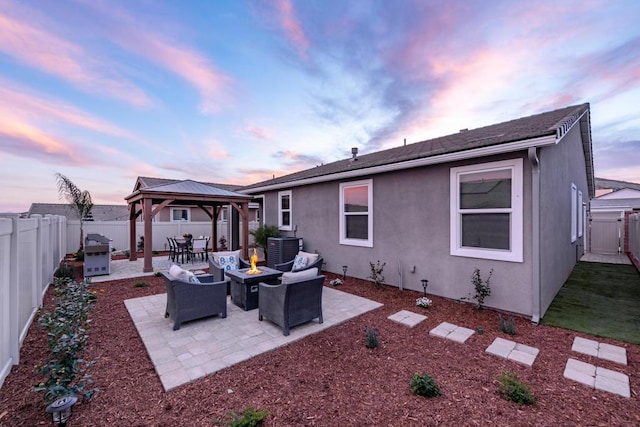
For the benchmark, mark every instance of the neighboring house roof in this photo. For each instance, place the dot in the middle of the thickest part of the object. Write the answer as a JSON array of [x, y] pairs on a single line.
[[98, 212], [622, 204], [612, 184], [147, 182], [622, 193], [514, 135]]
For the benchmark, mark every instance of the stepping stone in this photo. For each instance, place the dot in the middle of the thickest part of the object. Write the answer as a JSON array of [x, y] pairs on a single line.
[[452, 332], [407, 318], [598, 377], [605, 351], [513, 351]]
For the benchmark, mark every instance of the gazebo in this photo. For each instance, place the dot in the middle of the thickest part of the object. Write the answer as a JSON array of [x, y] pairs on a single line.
[[148, 201]]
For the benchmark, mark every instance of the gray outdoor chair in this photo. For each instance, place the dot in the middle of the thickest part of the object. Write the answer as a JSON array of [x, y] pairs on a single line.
[[190, 301], [287, 266], [291, 304], [217, 270]]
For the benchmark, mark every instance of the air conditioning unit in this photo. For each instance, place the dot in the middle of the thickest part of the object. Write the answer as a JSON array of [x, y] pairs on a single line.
[[282, 249]]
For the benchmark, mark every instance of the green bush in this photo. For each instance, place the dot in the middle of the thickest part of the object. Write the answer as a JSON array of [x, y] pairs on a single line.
[[64, 272], [371, 338], [424, 385], [509, 326], [66, 328], [511, 389], [262, 234], [141, 285], [249, 418], [80, 255]]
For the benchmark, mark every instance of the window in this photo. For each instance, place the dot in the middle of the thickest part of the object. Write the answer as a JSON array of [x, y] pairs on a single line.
[[180, 214], [580, 214], [486, 211], [574, 213], [284, 210], [356, 213]]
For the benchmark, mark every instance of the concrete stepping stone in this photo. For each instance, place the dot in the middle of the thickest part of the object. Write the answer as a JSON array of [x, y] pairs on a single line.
[[597, 377], [511, 350], [605, 351], [407, 318], [452, 332]]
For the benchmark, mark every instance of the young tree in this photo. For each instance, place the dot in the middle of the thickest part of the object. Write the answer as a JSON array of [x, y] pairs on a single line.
[[80, 201]]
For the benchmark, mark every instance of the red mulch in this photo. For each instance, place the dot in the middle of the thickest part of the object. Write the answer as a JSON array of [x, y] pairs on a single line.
[[330, 378]]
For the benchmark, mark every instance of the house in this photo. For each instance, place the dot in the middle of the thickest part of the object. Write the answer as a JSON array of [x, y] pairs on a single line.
[[609, 213], [98, 212], [510, 197]]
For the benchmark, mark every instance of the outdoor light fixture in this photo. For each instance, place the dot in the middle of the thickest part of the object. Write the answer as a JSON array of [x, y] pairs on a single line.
[[425, 282], [61, 410], [344, 272]]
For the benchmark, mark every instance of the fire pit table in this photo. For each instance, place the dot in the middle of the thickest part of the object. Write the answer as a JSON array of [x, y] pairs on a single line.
[[244, 287]]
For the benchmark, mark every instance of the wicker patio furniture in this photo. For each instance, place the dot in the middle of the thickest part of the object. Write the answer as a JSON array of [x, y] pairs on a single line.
[[190, 301], [293, 302], [218, 270], [310, 261]]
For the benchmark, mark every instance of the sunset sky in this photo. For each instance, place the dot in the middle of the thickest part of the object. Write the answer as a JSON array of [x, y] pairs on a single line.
[[239, 91]]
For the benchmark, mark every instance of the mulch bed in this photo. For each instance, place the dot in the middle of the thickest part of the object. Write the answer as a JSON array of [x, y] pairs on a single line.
[[330, 378]]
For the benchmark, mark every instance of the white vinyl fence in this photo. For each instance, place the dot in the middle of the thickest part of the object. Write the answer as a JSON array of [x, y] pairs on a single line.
[[30, 251], [118, 232]]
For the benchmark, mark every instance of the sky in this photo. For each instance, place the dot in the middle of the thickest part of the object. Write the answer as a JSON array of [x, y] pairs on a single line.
[[237, 92]]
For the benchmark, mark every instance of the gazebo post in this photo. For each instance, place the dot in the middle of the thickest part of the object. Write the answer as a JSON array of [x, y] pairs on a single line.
[[148, 236], [245, 230], [132, 232]]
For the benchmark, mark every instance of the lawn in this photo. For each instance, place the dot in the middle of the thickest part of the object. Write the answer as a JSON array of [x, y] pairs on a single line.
[[601, 300]]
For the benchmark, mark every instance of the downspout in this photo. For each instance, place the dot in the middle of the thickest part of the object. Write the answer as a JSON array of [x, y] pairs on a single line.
[[535, 234]]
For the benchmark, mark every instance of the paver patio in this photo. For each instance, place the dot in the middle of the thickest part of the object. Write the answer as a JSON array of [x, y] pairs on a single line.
[[205, 346], [514, 351], [452, 332]]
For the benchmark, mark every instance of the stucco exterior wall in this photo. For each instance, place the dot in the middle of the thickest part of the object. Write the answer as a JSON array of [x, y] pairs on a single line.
[[411, 228], [560, 166]]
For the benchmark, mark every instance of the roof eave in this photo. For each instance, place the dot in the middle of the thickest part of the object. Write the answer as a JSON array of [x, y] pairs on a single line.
[[425, 161]]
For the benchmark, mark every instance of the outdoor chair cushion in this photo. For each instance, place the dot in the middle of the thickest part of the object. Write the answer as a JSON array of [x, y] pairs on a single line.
[[178, 273], [313, 261], [297, 276]]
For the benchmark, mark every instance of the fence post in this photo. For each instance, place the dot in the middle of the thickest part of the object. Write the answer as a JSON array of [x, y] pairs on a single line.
[[14, 323]]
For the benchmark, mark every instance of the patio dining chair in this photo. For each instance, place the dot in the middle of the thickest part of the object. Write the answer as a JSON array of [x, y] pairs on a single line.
[[199, 249]]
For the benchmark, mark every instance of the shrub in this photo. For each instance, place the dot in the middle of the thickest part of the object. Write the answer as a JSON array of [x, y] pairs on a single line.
[[335, 282], [509, 326], [424, 302], [482, 288], [64, 272], [80, 255], [376, 273], [479, 330], [371, 337], [141, 285], [66, 328], [424, 385], [262, 234], [249, 418], [511, 389]]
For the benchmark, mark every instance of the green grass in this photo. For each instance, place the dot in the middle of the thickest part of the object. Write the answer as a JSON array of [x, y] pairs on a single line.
[[599, 299]]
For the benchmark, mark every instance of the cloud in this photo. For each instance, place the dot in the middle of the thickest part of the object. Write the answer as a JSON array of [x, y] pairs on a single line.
[[291, 26], [256, 132], [301, 161], [166, 51], [25, 36]]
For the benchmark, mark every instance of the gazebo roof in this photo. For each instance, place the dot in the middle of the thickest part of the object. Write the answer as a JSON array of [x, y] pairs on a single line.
[[187, 190]]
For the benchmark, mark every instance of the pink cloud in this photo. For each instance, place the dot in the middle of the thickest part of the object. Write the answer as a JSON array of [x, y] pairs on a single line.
[[256, 132], [189, 64], [32, 44], [292, 28]]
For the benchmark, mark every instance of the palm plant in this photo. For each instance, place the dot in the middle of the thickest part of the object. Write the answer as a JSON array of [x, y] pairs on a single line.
[[80, 201], [262, 234]]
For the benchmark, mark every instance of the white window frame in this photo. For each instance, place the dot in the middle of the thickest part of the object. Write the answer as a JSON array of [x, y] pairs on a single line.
[[580, 214], [574, 213], [188, 210], [516, 231], [282, 226], [343, 223]]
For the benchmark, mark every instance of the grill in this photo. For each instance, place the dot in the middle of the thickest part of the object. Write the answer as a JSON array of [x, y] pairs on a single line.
[[97, 255]]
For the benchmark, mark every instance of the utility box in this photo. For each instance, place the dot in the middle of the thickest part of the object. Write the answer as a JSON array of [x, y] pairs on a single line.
[[282, 249], [97, 255]]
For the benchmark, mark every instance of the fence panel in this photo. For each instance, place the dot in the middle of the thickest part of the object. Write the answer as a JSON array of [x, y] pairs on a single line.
[[28, 248], [606, 236], [634, 238]]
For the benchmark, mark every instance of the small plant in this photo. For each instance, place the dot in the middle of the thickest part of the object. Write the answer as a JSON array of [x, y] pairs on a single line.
[[222, 242], [66, 327], [481, 287], [508, 326], [64, 272], [376, 273], [479, 330], [510, 388], [141, 285], [335, 282], [155, 252], [126, 253], [424, 302], [424, 385], [79, 255], [187, 235], [249, 418], [372, 337]]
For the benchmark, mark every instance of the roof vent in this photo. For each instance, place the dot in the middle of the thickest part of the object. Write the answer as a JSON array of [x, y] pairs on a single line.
[[354, 153], [464, 130]]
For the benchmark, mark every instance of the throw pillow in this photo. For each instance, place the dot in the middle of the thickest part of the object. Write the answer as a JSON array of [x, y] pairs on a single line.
[[291, 277], [310, 257], [227, 260], [300, 262]]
